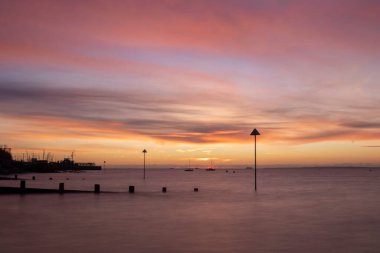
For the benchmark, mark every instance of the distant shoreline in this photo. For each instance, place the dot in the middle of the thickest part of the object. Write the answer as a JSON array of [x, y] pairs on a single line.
[[325, 167], [6, 174]]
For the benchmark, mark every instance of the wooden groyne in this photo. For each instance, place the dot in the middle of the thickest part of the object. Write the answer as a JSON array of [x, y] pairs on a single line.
[[22, 189], [61, 189], [15, 177], [17, 190]]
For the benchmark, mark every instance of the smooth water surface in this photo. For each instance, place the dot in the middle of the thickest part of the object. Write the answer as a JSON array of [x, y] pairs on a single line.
[[294, 210]]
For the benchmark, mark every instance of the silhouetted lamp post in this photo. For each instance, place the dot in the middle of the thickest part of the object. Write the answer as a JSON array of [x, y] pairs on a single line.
[[144, 151], [255, 132]]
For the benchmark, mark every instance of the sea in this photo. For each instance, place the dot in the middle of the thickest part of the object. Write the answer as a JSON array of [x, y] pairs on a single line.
[[293, 210]]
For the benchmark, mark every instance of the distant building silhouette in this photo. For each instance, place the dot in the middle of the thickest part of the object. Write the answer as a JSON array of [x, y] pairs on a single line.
[[5, 158]]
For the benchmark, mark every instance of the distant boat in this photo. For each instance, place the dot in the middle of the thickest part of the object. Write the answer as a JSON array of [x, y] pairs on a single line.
[[189, 168], [211, 168]]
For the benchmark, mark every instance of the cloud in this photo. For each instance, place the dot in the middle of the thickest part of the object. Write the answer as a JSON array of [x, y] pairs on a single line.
[[253, 28], [362, 124], [95, 113], [159, 118], [199, 72]]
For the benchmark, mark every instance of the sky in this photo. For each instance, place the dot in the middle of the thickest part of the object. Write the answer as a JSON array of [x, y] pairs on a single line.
[[189, 80]]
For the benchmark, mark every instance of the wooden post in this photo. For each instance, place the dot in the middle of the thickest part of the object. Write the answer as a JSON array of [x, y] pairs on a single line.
[[97, 188], [22, 185], [61, 187]]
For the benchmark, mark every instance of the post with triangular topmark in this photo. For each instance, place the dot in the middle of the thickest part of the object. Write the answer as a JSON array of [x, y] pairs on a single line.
[[255, 132], [144, 151]]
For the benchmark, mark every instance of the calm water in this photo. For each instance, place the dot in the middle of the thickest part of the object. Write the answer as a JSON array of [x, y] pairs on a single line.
[[294, 210]]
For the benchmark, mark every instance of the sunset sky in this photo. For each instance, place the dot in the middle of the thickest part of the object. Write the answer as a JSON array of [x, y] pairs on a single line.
[[191, 79]]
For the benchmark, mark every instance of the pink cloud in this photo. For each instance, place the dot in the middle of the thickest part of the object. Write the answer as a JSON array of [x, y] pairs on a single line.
[[213, 26]]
